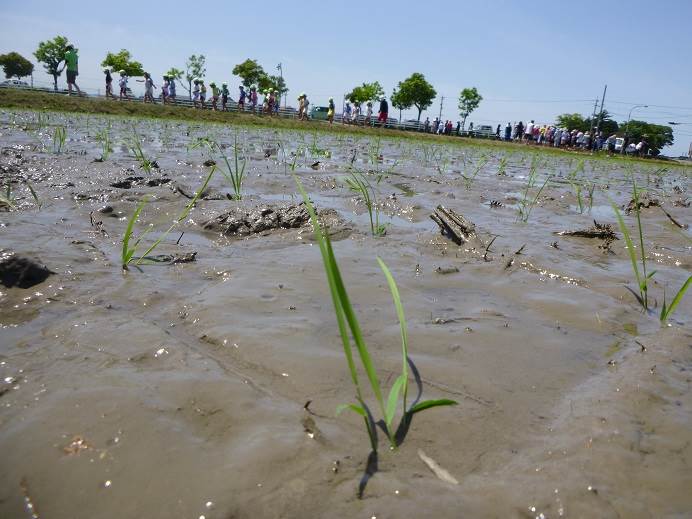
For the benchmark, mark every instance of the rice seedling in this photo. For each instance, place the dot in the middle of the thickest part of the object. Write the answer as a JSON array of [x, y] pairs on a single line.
[[350, 332], [104, 138], [502, 167], [468, 180], [59, 138], [375, 150], [641, 277], [128, 252], [7, 197], [358, 183], [442, 163], [135, 145], [41, 120], [39, 204], [235, 175], [315, 150], [527, 203], [667, 310]]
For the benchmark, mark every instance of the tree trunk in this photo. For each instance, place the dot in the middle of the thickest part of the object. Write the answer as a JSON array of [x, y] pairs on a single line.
[[463, 123], [55, 82], [419, 112]]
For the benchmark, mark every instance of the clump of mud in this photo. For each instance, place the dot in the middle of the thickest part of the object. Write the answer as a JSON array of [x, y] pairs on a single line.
[[21, 272], [267, 218]]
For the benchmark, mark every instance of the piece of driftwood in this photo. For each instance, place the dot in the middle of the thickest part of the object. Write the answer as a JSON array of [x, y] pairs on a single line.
[[453, 225]]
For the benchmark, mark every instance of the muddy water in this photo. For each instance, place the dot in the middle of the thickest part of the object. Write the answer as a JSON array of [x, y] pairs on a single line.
[[179, 390]]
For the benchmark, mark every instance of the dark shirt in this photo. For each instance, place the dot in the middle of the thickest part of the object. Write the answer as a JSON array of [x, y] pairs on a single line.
[[109, 78], [384, 107]]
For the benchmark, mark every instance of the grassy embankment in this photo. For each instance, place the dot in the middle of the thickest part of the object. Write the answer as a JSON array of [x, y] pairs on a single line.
[[32, 100]]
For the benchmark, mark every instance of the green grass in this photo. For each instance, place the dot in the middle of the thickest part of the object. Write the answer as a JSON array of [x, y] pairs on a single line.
[[350, 332]]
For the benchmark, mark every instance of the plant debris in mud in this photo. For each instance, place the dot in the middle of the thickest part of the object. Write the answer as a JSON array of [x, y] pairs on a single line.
[[453, 225], [602, 231], [642, 201]]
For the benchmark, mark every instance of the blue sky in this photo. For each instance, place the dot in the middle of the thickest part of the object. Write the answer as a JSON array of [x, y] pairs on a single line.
[[529, 60]]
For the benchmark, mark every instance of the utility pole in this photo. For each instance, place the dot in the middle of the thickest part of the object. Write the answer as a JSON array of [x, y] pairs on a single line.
[[593, 117], [600, 114], [280, 68], [442, 100]]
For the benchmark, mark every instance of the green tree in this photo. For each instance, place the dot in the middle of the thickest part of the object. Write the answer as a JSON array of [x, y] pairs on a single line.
[[607, 125], [273, 83], [573, 122], [16, 65], [365, 92], [469, 99], [123, 61], [656, 135], [194, 68], [399, 101], [415, 91], [578, 122], [175, 74], [252, 73], [51, 53]]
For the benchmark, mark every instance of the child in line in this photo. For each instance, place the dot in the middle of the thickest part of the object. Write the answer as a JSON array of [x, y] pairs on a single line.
[[241, 98], [122, 82], [271, 103], [224, 96], [214, 95], [165, 89], [195, 93], [253, 98], [277, 102], [202, 93], [171, 90], [148, 87], [109, 82], [301, 106], [330, 112]]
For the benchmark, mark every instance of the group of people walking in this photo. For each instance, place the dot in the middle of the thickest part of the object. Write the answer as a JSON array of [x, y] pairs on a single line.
[[555, 136]]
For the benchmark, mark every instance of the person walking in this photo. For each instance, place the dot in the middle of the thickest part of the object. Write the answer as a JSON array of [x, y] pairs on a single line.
[[384, 112], [508, 131], [330, 111], [109, 82], [224, 97], [171, 89], [72, 65], [122, 83], [241, 98]]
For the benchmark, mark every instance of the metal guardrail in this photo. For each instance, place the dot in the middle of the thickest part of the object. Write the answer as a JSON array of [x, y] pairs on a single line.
[[286, 112]]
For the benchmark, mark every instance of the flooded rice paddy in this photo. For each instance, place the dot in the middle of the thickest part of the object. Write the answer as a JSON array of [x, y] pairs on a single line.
[[180, 389]]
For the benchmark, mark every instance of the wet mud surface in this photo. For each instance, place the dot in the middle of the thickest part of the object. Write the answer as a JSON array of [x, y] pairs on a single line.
[[178, 389]]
